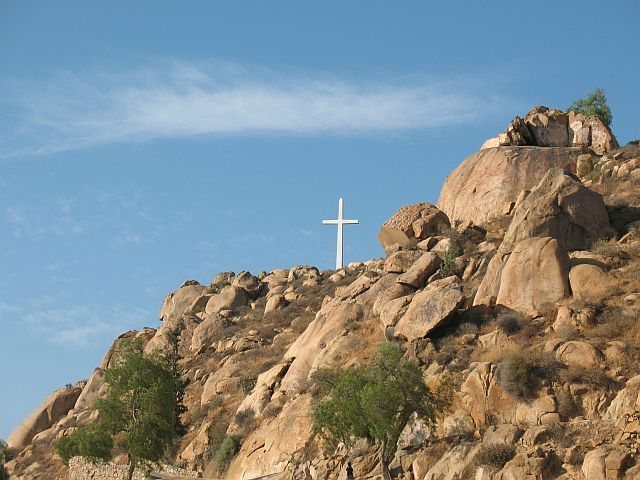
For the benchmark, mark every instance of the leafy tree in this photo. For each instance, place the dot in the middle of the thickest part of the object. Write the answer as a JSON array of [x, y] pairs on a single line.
[[376, 401], [138, 414], [595, 104], [3, 458]]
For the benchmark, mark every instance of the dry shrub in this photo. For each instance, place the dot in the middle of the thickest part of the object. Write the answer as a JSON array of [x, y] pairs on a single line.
[[494, 455], [616, 252], [614, 324], [509, 323], [591, 376], [516, 376]]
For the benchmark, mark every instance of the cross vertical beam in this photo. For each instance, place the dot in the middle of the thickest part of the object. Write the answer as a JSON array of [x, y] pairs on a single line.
[[340, 222]]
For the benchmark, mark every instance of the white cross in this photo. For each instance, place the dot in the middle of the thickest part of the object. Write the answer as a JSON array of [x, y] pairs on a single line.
[[340, 222]]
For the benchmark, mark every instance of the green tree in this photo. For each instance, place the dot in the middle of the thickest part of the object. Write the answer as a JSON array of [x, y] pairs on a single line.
[[3, 458], [138, 414], [595, 104], [376, 401]]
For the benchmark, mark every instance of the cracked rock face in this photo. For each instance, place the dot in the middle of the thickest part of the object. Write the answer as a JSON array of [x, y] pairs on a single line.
[[489, 182]]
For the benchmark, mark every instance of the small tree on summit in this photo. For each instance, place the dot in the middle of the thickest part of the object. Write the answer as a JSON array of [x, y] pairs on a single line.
[[376, 402], [139, 413], [595, 105]]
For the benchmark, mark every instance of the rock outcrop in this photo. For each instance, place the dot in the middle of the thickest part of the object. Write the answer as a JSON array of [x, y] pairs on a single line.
[[55, 407], [411, 223], [548, 127], [487, 184], [531, 268]]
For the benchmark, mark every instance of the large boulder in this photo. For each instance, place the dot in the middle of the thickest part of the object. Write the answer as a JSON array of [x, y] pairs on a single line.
[[207, 331], [416, 276], [411, 223], [548, 127], [55, 407], [172, 314], [175, 303], [487, 183], [534, 274], [588, 282], [430, 308], [248, 283], [229, 298], [562, 208], [485, 400]]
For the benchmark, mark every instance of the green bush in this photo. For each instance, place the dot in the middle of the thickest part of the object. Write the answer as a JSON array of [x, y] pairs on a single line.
[[449, 259], [228, 448], [495, 455], [517, 377], [90, 442], [4, 457], [595, 104]]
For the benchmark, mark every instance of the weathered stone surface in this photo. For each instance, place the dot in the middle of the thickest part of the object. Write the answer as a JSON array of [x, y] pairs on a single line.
[[250, 284], [276, 302], [459, 424], [230, 297], [587, 281], [626, 404], [602, 140], [401, 261], [310, 350], [559, 207], [483, 398], [395, 290], [430, 308], [175, 303], [533, 275], [549, 127], [392, 310], [584, 165], [489, 180], [451, 465], [605, 463], [416, 276], [271, 446], [579, 354], [411, 223], [505, 434], [204, 334], [56, 406]]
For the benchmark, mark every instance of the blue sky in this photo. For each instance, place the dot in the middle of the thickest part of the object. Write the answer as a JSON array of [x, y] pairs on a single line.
[[146, 143]]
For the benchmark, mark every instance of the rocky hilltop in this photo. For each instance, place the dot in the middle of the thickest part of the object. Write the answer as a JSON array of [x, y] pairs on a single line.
[[522, 285]]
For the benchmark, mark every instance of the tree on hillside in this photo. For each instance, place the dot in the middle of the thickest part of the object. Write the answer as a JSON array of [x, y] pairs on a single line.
[[139, 413], [3, 459], [595, 104], [375, 401]]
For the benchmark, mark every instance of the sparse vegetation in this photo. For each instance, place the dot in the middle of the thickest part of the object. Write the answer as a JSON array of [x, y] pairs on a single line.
[[495, 455], [140, 413], [376, 401], [595, 104], [516, 376], [247, 384], [3, 458], [229, 446], [509, 323]]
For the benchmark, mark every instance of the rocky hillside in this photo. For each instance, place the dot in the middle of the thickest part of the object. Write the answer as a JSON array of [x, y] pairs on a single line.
[[522, 285]]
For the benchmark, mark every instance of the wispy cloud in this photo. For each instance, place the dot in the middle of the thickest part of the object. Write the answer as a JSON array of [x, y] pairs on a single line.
[[55, 218], [180, 100], [75, 326]]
